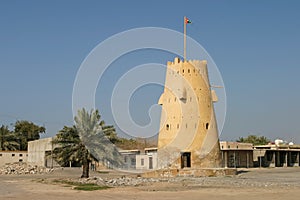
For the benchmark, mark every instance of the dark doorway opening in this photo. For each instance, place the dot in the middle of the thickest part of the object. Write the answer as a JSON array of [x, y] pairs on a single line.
[[185, 159], [150, 163]]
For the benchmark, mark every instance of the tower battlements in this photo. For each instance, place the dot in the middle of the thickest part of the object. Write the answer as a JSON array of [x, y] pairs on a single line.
[[189, 68], [193, 62]]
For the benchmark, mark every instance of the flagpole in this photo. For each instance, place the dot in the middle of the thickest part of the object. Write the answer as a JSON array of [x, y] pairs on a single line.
[[184, 38]]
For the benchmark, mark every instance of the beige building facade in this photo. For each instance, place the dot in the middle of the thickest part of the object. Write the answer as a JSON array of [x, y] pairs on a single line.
[[12, 157], [236, 155], [188, 136]]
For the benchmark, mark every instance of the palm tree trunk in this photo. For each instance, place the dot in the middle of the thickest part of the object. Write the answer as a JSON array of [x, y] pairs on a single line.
[[85, 165]]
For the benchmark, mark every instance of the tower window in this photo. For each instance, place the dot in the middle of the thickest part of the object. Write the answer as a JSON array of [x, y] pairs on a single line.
[[167, 127], [188, 70], [207, 126], [183, 71], [177, 126]]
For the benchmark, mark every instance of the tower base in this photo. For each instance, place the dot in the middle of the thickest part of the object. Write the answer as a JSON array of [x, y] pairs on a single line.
[[201, 172]]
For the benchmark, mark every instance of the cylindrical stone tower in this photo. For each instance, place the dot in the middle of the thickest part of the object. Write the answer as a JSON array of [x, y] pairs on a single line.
[[188, 136]]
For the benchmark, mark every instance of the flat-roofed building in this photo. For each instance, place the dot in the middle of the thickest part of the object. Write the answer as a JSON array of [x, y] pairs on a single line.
[[235, 154], [147, 160], [12, 157], [129, 158], [276, 155], [40, 153]]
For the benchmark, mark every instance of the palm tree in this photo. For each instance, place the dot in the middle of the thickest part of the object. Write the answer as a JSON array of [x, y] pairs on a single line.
[[8, 140], [93, 137], [110, 132], [84, 142]]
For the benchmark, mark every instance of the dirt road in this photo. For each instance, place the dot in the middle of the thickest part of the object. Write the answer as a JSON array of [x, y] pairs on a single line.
[[283, 183]]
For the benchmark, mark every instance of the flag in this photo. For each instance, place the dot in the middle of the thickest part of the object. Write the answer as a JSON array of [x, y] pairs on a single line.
[[187, 21]]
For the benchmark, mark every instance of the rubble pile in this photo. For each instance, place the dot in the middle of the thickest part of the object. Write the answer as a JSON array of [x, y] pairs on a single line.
[[23, 168], [183, 181], [122, 181]]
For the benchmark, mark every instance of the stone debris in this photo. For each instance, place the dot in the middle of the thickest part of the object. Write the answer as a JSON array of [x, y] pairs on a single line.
[[122, 181], [186, 182], [23, 168]]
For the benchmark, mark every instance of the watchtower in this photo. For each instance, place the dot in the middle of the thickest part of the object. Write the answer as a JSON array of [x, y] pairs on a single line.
[[188, 136]]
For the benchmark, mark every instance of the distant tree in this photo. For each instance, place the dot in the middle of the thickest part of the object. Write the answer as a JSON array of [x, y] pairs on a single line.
[[255, 140], [27, 131], [8, 140], [135, 143], [124, 143]]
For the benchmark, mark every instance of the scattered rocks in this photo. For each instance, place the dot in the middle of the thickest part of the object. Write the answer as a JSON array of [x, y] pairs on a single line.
[[184, 181], [23, 168], [114, 182]]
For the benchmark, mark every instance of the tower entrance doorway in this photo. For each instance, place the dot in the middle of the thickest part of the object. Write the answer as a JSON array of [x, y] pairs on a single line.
[[185, 159]]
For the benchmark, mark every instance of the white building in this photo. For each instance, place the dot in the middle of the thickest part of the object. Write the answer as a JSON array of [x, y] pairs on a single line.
[[148, 160], [40, 153]]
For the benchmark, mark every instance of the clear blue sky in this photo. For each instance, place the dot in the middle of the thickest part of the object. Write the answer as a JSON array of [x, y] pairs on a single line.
[[255, 44]]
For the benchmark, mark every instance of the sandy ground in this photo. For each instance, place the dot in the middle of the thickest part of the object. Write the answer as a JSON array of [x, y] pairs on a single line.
[[278, 183]]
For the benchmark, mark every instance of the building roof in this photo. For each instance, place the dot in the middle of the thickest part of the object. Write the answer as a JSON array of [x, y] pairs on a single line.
[[278, 147], [129, 151], [13, 151]]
